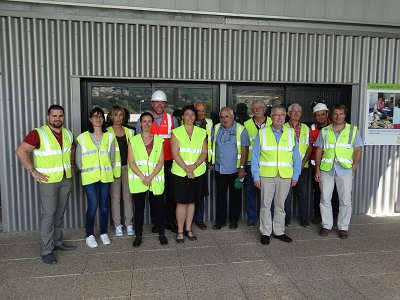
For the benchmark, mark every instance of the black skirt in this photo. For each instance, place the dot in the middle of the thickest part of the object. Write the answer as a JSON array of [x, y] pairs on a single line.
[[187, 190]]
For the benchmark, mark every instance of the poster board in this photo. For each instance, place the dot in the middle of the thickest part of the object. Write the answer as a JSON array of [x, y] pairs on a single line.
[[383, 114]]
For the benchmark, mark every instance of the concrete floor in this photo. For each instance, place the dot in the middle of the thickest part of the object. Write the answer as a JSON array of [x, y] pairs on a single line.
[[225, 264]]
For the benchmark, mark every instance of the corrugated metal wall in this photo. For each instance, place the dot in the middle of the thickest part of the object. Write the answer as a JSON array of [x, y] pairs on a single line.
[[38, 56]]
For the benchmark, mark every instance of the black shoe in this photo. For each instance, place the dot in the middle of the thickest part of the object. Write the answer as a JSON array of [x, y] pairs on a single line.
[[171, 227], [186, 233], [154, 229], [182, 240], [137, 242], [316, 220], [201, 225], [251, 223], [163, 240], [265, 239], [49, 259], [287, 222], [283, 238], [233, 225], [64, 247], [218, 226], [304, 222]]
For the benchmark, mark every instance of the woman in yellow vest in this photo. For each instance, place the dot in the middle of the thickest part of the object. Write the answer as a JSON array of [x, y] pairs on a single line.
[[122, 135], [95, 158], [146, 174], [189, 150]]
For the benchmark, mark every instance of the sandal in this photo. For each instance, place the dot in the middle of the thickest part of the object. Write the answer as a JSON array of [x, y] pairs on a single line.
[[193, 237], [179, 241]]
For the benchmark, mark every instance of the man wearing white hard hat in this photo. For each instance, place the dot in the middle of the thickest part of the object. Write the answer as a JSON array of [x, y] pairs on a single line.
[[162, 126], [321, 113]]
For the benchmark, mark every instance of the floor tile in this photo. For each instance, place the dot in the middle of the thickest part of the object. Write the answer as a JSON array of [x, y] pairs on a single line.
[[233, 237], [157, 281], [104, 285], [49, 287], [156, 259], [209, 277], [110, 262], [201, 256], [230, 293], [273, 291], [235, 253], [382, 286]]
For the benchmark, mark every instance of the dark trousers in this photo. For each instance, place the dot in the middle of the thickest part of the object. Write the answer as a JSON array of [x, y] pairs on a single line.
[[156, 211], [223, 182], [301, 191], [317, 198], [170, 205]]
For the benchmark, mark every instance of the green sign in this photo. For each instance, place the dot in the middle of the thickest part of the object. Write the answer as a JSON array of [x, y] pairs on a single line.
[[383, 86]]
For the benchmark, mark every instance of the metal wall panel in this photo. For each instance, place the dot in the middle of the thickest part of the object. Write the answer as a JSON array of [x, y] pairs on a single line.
[[39, 55]]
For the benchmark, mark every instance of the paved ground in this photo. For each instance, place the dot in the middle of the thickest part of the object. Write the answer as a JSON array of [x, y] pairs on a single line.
[[225, 264]]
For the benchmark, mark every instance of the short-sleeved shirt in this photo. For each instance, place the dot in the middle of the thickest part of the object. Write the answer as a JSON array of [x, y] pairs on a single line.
[[33, 138], [226, 149], [337, 168]]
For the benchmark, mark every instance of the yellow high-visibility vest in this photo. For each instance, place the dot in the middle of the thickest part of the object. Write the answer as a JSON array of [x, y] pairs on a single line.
[[117, 156], [252, 130], [146, 165], [341, 149], [209, 126], [189, 150], [276, 158], [50, 159], [96, 163], [304, 141], [239, 130]]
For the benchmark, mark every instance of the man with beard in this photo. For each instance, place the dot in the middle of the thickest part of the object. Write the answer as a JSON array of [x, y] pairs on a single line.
[[54, 153]]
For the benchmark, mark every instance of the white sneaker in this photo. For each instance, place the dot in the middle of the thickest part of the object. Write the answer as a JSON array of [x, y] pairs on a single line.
[[118, 231], [91, 241], [130, 230], [105, 239]]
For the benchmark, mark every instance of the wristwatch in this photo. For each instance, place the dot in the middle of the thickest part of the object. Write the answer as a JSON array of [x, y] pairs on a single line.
[[241, 167]]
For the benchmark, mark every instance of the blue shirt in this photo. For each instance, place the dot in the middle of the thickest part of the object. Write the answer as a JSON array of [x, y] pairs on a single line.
[[158, 121], [337, 168], [226, 149], [255, 158]]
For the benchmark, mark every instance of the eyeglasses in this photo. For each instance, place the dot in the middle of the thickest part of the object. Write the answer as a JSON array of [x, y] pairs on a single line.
[[97, 117]]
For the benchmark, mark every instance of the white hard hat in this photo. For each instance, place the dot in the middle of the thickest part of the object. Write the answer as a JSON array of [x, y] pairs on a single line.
[[158, 96], [319, 107]]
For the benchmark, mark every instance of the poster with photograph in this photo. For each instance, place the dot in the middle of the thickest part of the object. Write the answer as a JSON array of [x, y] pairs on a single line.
[[383, 110]]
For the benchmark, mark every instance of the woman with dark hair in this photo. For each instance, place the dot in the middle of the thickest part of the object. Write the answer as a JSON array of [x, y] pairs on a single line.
[[189, 150], [122, 135], [146, 174], [95, 158]]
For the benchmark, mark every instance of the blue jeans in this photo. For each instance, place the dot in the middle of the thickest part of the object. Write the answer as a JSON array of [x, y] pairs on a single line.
[[97, 194], [250, 193]]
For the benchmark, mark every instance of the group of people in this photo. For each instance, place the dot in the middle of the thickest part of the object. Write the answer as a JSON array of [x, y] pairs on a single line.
[[168, 161]]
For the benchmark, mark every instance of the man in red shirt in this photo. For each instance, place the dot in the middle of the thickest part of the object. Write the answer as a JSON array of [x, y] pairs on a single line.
[[54, 153], [321, 113]]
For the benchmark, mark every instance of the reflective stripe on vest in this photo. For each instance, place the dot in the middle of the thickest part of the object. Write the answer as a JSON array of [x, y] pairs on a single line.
[[189, 150], [209, 126], [276, 158], [146, 165], [340, 149], [239, 130], [96, 163], [50, 159], [252, 130], [117, 156], [304, 140]]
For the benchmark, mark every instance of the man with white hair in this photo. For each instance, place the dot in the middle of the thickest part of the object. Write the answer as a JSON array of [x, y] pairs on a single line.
[[276, 166], [305, 148]]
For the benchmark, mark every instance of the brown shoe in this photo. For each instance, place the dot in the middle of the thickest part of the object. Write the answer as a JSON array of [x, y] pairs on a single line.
[[201, 225], [343, 234], [324, 232]]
